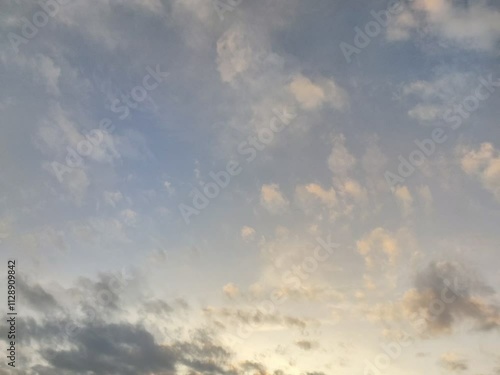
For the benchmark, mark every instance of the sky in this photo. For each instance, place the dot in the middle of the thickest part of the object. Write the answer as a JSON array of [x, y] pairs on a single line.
[[304, 187]]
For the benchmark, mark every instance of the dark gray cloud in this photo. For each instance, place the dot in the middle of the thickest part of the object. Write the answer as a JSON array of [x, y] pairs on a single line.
[[101, 348], [447, 293], [253, 367], [34, 296], [46, 331], [107, 349], [306, 344], [255, 318], [157, 307], [105, 292], [71, 343], [202, 353]]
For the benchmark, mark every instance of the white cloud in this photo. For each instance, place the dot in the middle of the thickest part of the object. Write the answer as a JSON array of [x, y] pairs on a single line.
[[484, 164], [400, 27], [272, 199], [309, 95], [378, 240], [326, 197], [50, 73], [111, 198], [471, 25], [129, 216], [453, 362], [350, 188], [169, 187], [247, 233], [234, 54], [340, 160], [445, 87], [312, 96], [425, 112], [439, 95], [405, 199], [231, 290]]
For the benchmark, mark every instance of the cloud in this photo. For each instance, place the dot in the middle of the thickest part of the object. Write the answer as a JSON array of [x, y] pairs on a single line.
[[312, 96], [36, 297], [306, 344], [168, 186], [234, 73], [102, 343], [340, 160], [272, 199], [378, 240], [112, 349], [374, 163], [254, 367], [337, 96], [309, 95], [256, 319], [444, 87], [399, 28], [111, 198], [203, 353], [231, 290], [123, 348], [427, 112], [445, 295], [60, 137], [247, 233], [235, 53], [311, 195], [102, 293], [43, 70], [405, 199], [157, 307], [76, 182], [484, 164], [312, 292], [129, 216], [468, 25], [350, 188], [453, 362], [51, 73], [439, 95]]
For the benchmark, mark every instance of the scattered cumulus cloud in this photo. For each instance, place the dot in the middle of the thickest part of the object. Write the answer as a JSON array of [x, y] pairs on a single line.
[[272, 199]]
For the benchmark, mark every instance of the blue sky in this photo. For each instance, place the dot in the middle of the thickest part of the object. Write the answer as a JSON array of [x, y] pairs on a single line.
[[117, 115]]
